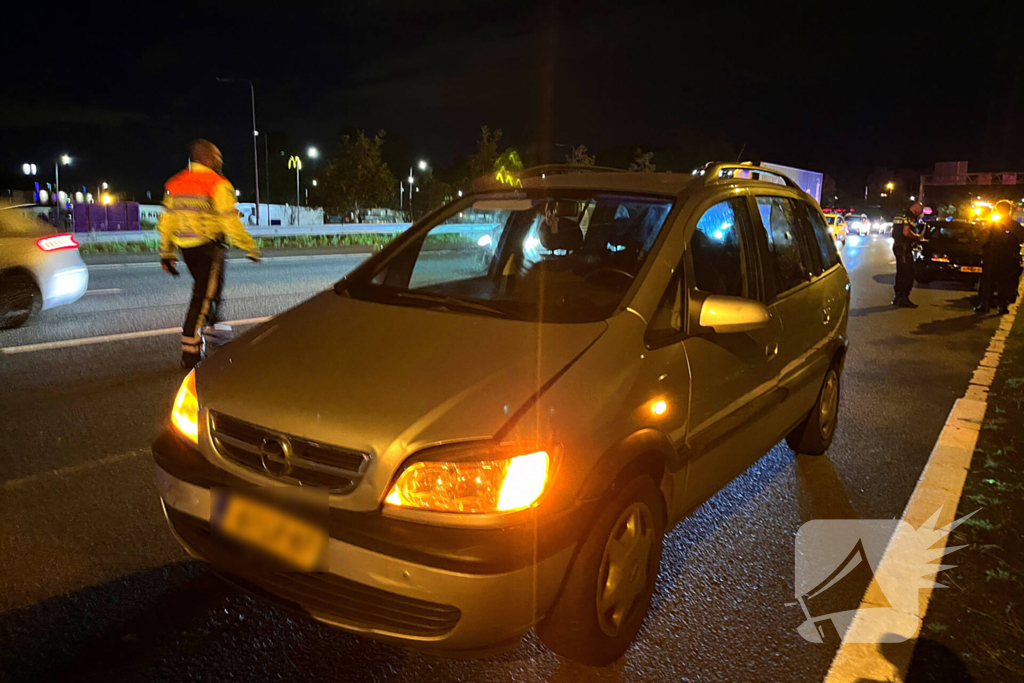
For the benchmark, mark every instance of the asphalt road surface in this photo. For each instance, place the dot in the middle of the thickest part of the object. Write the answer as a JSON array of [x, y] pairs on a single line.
[[92, 585]]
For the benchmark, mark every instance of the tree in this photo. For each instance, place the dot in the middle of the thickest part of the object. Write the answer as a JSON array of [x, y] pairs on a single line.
[[642, 162], [579, 157], [357, 177], [482, 163]]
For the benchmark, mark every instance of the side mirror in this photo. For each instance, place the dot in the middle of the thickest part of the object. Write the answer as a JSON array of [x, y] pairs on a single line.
[[725, 314]]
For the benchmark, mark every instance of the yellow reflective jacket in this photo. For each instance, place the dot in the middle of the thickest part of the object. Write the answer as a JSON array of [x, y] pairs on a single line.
[[200, 207]]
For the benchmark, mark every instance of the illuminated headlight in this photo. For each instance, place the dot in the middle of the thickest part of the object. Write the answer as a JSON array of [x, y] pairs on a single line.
[[185, 412], [474, 480], [940, 258]]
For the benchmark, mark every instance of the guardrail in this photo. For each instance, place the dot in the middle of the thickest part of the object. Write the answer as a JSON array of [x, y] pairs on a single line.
[[288, 231]]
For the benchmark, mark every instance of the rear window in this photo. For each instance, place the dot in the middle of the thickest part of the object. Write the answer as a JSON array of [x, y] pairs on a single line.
[[20, 223], [959, 232]]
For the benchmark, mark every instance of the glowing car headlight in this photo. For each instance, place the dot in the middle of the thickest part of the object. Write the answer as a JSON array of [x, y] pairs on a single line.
[[185, 412], [512, 478]]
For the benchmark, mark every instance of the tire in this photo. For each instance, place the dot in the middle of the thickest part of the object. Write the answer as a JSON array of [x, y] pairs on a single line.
[[574, 628], [19, 299], [814, 435]]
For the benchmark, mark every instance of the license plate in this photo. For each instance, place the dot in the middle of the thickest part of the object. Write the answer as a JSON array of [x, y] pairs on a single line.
[[281, 535], [970, 269]]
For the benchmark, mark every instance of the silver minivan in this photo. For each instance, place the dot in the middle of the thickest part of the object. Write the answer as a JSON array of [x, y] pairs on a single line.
[[490, 425]]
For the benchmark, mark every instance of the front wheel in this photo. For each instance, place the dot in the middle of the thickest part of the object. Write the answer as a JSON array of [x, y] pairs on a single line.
[[814, 435], [609, 587]]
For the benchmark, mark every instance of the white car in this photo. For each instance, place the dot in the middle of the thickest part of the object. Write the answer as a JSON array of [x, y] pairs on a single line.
[[39, 268], [858, 224]]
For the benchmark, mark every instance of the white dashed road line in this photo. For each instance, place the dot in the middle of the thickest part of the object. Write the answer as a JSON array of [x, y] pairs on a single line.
[[73, 469], [112, 290], [939, 487], [67, 343]]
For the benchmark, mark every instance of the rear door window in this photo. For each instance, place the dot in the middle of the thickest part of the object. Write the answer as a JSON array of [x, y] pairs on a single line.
[[778, 216], [822, 237]]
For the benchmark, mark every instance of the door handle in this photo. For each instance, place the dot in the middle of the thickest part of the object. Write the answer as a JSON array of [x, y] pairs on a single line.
[[771, 350], [826, 315]]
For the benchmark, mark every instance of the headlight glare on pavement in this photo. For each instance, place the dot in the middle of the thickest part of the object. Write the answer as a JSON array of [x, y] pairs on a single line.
[[484, 486], [185, 413]]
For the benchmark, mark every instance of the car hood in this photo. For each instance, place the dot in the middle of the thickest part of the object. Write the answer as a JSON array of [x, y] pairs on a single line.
[[384, 379]]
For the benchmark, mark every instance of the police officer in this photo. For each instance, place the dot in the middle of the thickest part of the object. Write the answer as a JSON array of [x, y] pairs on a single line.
[[200, 216], [906, 231], [1000, 277]]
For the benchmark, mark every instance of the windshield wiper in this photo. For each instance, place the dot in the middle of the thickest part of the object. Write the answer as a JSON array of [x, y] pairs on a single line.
[[452, 303]]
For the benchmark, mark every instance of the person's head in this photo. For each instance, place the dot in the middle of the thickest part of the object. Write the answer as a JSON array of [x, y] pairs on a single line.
[[1004, 208], [206, 153], [916, 209]]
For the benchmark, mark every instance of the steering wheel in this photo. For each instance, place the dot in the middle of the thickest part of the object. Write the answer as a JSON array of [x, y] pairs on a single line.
[[608, 269]]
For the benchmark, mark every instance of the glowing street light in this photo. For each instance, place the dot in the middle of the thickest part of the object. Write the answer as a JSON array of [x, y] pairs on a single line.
[[314, 182], [66, 160], [312, 152], [889, 186], [105, 186], [28, 169], [410, 179], [423, 165], [106, 198]]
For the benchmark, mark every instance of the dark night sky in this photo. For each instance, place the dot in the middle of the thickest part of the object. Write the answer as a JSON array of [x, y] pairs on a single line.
[[841, 90]]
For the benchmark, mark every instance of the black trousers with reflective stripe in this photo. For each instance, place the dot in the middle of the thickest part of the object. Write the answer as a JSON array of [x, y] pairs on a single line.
[[206, 264]]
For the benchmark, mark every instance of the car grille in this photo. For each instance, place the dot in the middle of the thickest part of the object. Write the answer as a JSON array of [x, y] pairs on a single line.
[[285, 457], [323, 595]]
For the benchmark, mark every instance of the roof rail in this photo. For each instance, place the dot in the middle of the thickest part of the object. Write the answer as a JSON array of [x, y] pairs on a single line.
[[716, 170], [561, 169]]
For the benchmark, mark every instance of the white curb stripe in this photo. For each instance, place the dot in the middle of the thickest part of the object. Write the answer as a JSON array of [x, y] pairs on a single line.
[[46, 346], [156, 263], [939, 487]]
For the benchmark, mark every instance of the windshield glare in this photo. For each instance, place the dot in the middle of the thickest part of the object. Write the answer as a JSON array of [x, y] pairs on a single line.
[[553, 258]]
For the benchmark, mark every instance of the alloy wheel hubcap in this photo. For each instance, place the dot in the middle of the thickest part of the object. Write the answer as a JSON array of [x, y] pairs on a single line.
[[625, 567], [829, 404]]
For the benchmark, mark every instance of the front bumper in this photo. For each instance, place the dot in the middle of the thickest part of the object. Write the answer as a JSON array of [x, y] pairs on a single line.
[[422, 601]]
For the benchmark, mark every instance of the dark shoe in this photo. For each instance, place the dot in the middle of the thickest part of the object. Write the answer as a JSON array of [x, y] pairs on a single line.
[[905, 302], [981, 309], [190, 360], [1003, 310]]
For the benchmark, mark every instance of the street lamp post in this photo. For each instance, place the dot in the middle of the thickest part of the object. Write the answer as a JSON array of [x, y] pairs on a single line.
[[296, 163], [66, 160], [255, 134]]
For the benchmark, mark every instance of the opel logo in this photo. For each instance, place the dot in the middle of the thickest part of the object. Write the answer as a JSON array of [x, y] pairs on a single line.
[[274, 454]]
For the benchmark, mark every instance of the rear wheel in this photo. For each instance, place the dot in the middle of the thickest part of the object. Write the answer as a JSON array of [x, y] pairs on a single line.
[[19, 299], [814, 435], [608, 590]]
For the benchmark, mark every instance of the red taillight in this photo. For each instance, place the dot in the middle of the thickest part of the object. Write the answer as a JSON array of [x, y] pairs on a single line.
[[57, 242]]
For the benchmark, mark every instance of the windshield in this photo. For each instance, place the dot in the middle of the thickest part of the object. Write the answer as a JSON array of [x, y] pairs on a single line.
[[556, 257]]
